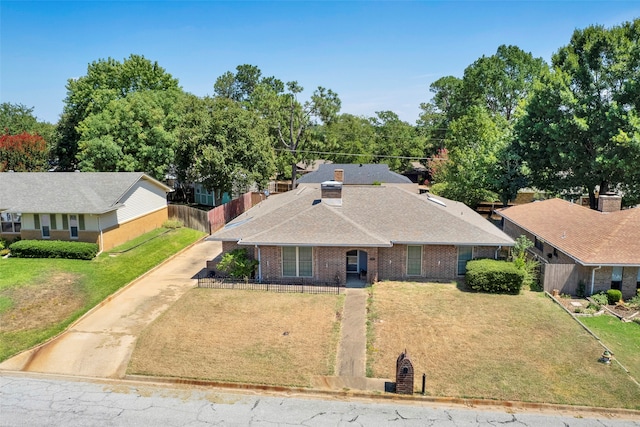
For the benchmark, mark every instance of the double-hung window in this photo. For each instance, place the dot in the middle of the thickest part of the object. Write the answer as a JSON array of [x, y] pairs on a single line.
[[616, 278], [11, 222], [414, 260], [297, 261]]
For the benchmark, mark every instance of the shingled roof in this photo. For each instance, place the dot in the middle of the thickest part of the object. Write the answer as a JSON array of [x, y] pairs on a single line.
[[67, 192], [369, 216], [590, 237], [355, 174]]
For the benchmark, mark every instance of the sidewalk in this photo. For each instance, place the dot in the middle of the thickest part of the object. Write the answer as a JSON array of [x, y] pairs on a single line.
[[101, 342]]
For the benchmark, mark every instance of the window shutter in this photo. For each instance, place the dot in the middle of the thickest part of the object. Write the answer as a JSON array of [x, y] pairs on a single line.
[[65, 222], [54, 226], [36, 219], [81, 221]]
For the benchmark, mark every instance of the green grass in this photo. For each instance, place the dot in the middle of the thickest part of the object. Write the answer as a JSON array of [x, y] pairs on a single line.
[[86, 283], [623, 339]]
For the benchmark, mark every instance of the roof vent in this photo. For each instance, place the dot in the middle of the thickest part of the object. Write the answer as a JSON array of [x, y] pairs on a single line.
[[331, 193]]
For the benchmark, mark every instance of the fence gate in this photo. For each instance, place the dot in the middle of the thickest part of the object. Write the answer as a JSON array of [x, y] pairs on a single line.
[[563, 277]]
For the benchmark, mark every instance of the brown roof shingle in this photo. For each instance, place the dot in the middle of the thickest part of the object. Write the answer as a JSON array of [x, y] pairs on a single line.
[[591, 237]]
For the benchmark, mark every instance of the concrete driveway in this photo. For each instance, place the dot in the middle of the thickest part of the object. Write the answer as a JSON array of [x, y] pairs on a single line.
[[101, 342]]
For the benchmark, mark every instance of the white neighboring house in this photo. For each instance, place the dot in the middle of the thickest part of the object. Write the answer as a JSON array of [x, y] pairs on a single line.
[[107, 208]]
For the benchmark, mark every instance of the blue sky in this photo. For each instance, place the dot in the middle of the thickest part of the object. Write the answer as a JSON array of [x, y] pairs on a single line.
[[376, 55]]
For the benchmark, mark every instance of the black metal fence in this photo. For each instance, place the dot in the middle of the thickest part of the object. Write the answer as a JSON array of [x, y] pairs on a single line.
[[270, 286]]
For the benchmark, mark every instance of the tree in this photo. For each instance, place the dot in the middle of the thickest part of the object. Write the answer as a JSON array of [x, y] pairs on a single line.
[[350, 140], [134, 133], [228, 146], [106, 81], [396, 142], [16, 119], [292, 121], [474, 142], [23, 153], [581, 129]]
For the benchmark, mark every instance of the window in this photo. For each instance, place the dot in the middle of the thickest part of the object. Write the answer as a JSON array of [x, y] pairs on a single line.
[[11, 222], [414, 260], [81, 222], [539, 244], [297, 261], [45, 225], [638, 279], [65, 222], [616, 278], [73, 230], [352, 261], [465, 253]]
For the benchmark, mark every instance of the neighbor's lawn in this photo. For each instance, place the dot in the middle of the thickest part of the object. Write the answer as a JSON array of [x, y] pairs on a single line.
[[41, 297], [242, 336], [506, 347], [622, 338]]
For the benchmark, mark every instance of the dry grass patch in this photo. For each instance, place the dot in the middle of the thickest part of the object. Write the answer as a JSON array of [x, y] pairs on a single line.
[[40, 304], [507, 347], [242, 336]]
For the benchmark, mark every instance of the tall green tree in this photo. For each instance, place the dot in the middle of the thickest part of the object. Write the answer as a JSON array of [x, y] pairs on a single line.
[[106, 81], [134, 133], [227, 148], [396, 142], [581, 129], [16, 119], [350, 139], [293, 122]]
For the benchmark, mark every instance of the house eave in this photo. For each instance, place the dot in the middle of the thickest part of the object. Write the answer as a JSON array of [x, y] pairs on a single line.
[[340, 245]]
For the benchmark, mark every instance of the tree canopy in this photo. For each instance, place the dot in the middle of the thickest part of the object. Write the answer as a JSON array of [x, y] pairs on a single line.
[[581, 129]]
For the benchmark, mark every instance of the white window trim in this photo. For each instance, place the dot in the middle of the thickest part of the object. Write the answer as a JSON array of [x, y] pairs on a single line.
[[421, 255], [297, 262]]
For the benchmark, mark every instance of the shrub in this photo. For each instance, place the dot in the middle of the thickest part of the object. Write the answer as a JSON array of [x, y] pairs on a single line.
[[238, 264], [613, 296], [53, 249], [173, 223], [4, 252], [635, 301], [488, 275], [581, 289], [600, 299]]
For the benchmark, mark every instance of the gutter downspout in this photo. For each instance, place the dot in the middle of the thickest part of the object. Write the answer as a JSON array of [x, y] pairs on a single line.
[[593, 277], [259, 265], [495, 255], [101, 238]]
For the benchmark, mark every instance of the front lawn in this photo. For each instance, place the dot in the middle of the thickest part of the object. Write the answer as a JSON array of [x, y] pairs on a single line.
[[623, 339], [41, 297], [242, 336], [507, 347]]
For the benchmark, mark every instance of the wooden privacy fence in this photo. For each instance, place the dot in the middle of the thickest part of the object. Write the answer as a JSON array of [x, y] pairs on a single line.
[[220, 215], [270, 286], [563, 277], [191, 217]]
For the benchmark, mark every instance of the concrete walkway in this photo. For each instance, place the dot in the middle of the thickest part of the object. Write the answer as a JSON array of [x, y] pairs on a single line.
[[352, 348], [101, 342]]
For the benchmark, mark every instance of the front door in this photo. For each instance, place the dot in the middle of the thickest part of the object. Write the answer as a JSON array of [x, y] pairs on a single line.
[[357, 262]]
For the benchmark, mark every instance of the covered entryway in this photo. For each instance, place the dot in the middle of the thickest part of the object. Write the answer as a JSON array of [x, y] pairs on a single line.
[[356, 268]]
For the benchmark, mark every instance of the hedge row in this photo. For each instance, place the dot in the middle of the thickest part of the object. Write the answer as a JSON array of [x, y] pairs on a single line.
[[488, 275], [53, 249]]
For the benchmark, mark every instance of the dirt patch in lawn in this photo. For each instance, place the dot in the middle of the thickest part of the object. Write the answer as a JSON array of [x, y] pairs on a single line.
[[242, 336], [508, 347], [40, 305]]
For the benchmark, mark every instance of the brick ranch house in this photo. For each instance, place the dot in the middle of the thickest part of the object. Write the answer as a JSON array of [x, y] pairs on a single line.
[[330, 232], [107, 208], [574, 243]]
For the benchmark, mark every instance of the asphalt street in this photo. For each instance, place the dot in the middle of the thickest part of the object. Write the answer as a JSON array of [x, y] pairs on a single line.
[[27, 400]]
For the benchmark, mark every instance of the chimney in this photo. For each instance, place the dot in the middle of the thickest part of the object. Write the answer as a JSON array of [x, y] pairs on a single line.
[[331, 193], [609, 202], [338, 175]]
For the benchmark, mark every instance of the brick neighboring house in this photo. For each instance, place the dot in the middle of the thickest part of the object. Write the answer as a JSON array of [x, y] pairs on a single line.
[[107, 208], [575, 243], [330, 232]]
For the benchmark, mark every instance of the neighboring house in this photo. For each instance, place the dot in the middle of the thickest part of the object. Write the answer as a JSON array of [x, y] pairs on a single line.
[[107, 208], [574, 243], [357, 174], [205, 197], [329, 232]]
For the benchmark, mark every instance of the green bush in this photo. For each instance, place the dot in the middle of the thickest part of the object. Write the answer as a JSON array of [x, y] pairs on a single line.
[[238, 264], [613, 296], [488, 275], [600, 299], [53, 249]]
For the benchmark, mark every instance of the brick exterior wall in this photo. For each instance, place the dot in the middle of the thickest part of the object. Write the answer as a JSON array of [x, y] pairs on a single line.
[[83, 236]]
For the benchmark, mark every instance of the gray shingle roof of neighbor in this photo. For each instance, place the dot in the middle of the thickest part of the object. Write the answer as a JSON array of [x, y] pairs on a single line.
[[67, 192], [355, 174], [369, 216]]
